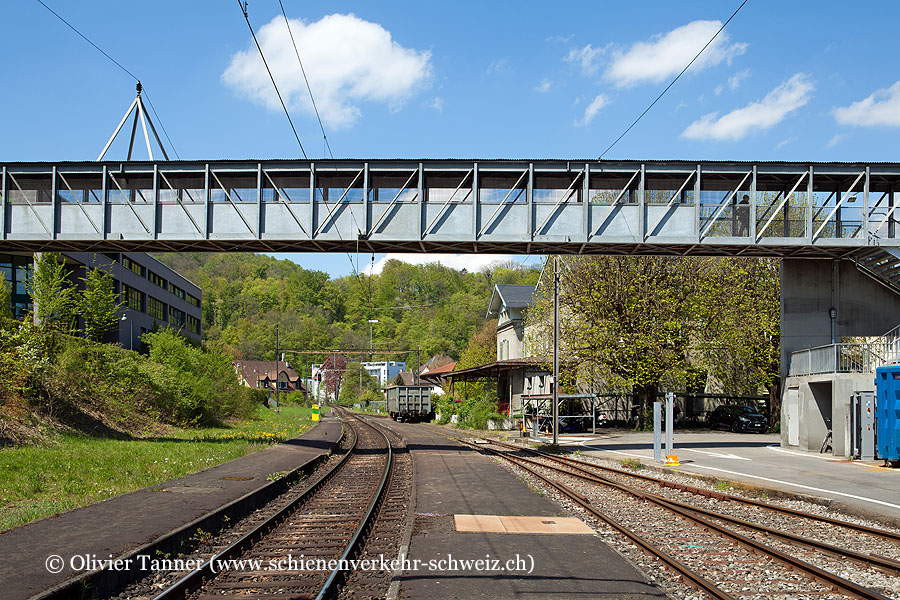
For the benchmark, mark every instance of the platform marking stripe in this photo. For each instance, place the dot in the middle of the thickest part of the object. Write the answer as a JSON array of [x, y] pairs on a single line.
[[614, 451], [801, 486], [805, 454]]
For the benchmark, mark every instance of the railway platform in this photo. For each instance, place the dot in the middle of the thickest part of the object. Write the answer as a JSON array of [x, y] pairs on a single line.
[[467, 507], [129, 522]]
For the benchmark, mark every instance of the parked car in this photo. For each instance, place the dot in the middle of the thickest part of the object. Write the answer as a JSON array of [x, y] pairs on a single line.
[[737, 418]]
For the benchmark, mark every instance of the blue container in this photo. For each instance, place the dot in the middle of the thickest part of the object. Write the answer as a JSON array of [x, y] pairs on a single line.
[[887, 411]]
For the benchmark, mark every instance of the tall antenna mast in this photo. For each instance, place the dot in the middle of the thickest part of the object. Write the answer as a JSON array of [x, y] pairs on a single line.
[[139, 112]]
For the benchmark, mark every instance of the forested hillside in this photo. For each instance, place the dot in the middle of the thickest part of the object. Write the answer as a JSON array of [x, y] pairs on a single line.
[[432, 306]]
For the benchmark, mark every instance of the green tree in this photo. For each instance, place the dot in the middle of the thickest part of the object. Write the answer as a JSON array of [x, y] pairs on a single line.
[[51, 292], [481, 349], [5, 299], [99, 304], [630, 321], [357, 382]]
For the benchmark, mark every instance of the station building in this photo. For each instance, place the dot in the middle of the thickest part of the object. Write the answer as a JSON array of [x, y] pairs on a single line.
[[155, 295]]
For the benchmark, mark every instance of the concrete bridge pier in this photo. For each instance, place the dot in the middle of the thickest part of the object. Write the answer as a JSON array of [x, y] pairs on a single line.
[[824, 301]]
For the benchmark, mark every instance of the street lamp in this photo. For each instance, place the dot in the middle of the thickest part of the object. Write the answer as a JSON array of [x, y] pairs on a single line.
[[130, 331]]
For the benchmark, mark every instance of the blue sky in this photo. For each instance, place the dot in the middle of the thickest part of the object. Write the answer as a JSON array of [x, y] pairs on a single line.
[[461, 79]]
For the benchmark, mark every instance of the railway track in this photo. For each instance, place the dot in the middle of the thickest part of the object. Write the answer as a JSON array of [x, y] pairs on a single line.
[[722, 555], [298, 553]]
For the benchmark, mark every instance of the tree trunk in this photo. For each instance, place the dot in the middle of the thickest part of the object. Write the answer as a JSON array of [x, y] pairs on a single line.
[[775, 403], [646, 395]]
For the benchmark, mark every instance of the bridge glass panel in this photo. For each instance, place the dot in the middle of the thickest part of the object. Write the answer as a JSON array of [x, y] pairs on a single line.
[[725, 204], [553, 188], [345, 188], [606, 188], [385, 187], [838, 204], [189, 188], [453, 187], [235, 187], [127, 188], [502, 188], [292, 188], [780, 213], [883, 211], [663, 188], [30, 188], [80, 187]]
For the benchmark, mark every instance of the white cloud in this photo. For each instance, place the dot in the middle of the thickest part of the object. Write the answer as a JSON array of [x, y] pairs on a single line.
[[348, 61], [835, 140], [501, 65], [473, 263], [766, 113], [544, 86], [881, 108], [586, 57], [592, 109], [785, 142], [437, 103], [719, 89], [667, 54], [561, 39], [735, 80]]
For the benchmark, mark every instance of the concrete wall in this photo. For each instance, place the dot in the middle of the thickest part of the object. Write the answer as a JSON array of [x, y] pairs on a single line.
[[825, 396], [811, 287]]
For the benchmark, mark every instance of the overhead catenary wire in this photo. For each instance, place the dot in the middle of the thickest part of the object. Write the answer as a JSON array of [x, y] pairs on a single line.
[[118, 64], [677, 77], [243, 7], [302, 70]]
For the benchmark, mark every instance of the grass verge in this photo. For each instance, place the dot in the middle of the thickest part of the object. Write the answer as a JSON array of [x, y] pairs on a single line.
[[75, 470]]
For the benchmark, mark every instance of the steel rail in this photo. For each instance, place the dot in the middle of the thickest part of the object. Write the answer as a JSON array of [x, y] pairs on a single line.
[[697, 580], [874, 531], [684, 511], [368, 519], [865, 559], [190, 582]]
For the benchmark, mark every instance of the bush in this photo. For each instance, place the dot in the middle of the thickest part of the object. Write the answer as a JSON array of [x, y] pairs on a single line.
[[204, 386], [474, 413]]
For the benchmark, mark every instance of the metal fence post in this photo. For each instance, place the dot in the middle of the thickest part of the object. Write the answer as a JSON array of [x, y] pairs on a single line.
[[670, 408], [657, 435]]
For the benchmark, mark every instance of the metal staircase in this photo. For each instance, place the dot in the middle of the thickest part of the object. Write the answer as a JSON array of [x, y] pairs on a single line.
[[882, 263]]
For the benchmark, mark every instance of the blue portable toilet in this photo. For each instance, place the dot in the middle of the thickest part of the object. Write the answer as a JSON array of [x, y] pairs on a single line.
[[887, 407]]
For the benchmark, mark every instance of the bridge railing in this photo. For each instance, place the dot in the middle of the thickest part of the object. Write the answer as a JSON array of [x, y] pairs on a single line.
[[449, 205], [836, 358]]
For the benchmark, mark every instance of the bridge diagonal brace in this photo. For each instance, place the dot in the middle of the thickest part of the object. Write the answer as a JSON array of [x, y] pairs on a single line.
[[336, 204], [30, 205], [823, 207], [615, 203], [725, 203], [231, 201], [669, 204], [283, 198], [837, 206], [427, 230], [118, 129], [391, 205], [781, 204], [564, 199], [129, 203], [503, 203], [181, 203], [83, 211], [894, 206]]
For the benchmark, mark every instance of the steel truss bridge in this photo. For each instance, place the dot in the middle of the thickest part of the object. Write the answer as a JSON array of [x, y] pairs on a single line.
[[505, 206]]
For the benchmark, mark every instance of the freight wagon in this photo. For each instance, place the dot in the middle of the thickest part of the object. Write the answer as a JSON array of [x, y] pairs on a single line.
[[410, 403]]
